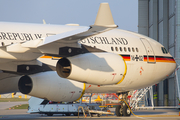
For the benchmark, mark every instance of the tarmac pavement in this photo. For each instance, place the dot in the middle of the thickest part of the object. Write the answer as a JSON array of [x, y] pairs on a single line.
[[157, 114]]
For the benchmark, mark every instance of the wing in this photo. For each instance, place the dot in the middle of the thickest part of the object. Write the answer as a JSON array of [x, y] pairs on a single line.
[[22, 57], [54, 45]]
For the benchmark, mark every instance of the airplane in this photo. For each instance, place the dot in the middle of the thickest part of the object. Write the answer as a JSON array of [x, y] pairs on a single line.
[[62, 62]]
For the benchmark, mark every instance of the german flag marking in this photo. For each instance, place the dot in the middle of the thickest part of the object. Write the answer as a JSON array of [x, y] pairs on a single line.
[[145, 58], [165, 59], [126, 57], [151, 59], [159, 59]]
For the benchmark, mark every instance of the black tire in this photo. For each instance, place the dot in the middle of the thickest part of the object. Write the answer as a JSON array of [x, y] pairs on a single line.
[[98, 115], [126, 111], [49, 114], [68, 114], [118, 111], [75, 114]]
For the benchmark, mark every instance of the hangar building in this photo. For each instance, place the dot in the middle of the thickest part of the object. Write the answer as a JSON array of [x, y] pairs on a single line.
[[160, 20]]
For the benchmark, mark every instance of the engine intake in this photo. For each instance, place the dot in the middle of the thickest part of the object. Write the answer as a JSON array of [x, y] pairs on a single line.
[[64, 67], [25, 84]]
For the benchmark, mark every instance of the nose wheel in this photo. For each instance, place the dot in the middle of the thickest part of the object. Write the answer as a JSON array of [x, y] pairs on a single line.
[[126, 111], [119, 111], [123, 109]]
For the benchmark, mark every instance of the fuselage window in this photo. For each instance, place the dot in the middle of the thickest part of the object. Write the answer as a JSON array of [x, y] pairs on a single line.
[[116, 48], [137, 50], [112, 48], [120, 48], [125, 49], [129, 49], [133, 50]]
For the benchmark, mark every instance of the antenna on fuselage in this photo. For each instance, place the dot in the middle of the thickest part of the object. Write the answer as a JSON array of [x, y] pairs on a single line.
[[44, 22]]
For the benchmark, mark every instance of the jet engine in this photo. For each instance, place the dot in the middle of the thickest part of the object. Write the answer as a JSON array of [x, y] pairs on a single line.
[[94, 68], [48, 85]]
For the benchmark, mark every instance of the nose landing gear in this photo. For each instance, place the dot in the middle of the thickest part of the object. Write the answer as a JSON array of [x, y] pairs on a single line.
[[123, 109]]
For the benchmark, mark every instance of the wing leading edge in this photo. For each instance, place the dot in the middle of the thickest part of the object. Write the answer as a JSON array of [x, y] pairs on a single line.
[[51, 45]]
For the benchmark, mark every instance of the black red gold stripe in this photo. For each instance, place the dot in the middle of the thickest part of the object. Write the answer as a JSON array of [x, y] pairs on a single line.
[[165, 59], [159, 59], [152, 58], [146, 58], [149, 58], [126, 57]]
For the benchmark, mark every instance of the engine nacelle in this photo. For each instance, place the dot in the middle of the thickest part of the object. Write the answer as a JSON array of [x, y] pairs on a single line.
[[94, 68], [48, 85]]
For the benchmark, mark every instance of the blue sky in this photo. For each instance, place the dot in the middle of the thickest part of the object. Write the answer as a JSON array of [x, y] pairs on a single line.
[[83, 12]]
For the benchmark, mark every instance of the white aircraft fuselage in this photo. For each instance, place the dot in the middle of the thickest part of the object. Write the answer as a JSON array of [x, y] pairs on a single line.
[[146, 62]]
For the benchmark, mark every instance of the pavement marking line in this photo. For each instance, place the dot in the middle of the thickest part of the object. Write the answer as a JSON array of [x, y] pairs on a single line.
[[159, 116]]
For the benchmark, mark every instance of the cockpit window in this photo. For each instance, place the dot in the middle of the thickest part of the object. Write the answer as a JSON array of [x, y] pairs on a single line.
[[164, 50]]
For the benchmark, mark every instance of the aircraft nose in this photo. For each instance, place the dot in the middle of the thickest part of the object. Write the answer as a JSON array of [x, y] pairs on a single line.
[[173, 65], [173, 59]]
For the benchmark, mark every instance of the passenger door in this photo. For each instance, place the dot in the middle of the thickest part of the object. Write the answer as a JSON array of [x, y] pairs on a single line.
[[150, 58]]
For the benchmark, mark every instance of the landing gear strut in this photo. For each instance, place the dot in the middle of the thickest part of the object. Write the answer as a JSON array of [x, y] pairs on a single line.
[[123, 110]]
